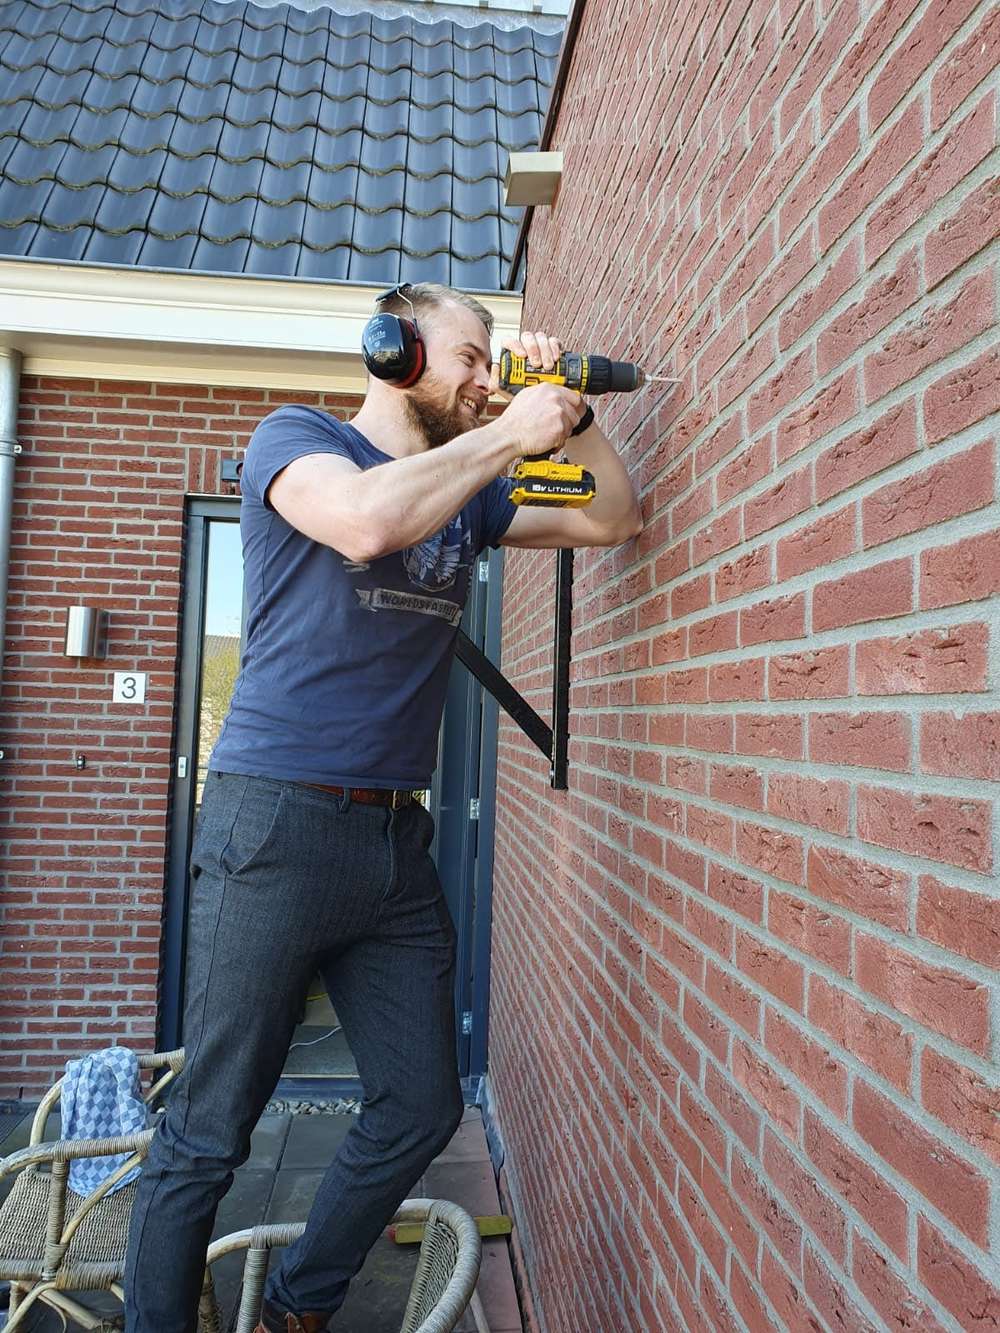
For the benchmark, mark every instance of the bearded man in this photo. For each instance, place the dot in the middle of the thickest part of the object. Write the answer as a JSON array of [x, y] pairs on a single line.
[[311, 851]]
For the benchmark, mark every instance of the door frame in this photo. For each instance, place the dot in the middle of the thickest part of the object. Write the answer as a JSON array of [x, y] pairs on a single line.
[[465, 772]]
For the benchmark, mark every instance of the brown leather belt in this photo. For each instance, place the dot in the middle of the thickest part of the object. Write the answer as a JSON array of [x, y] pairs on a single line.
[[394, 797]]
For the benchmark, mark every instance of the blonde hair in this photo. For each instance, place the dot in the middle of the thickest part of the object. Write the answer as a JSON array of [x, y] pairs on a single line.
[[426, 297]]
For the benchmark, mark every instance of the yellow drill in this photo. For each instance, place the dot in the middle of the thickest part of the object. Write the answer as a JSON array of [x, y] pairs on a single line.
[[566, 485]]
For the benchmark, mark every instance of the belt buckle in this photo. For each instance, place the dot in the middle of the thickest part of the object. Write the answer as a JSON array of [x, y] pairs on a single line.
[[399, 799]]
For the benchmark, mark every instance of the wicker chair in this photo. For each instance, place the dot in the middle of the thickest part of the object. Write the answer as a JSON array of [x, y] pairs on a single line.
[[443, 1284], [53, 1240]]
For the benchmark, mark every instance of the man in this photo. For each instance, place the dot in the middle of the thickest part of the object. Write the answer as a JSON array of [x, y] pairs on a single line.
[[311, 854]]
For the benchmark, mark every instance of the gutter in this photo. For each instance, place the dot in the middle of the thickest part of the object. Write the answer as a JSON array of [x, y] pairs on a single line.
[[92, 321], [548, 128], [10, 380]]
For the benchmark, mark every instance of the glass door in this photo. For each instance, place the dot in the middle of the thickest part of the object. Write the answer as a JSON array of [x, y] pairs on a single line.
[[211, 646]]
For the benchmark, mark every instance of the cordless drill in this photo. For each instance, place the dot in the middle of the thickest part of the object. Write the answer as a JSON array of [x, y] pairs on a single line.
[[565, 485]]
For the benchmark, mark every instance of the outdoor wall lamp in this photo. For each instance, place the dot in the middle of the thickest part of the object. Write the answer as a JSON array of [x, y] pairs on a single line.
[[532, 179], [86, 632]]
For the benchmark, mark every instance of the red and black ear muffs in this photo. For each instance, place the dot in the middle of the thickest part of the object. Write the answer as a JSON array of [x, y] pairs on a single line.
[[392, 347]]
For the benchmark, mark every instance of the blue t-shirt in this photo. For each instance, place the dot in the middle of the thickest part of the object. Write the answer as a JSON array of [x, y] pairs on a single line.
[[346, 664]]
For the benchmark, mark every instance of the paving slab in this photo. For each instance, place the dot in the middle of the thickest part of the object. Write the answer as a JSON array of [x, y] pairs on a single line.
[[288, 1158]]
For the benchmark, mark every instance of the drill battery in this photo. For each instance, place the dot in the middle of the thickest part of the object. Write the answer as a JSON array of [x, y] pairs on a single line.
[[557, 485]]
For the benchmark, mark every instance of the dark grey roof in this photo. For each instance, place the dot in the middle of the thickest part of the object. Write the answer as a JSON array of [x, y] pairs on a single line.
[[241, 138]]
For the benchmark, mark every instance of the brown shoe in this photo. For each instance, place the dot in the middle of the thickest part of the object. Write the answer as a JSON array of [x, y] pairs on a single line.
[[276, 1321]]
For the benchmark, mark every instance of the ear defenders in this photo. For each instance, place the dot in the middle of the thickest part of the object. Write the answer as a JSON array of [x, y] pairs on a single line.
[[392, 347]]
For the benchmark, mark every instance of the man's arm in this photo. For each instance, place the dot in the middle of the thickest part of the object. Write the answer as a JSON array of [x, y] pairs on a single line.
[[369, 513], [611, 518]]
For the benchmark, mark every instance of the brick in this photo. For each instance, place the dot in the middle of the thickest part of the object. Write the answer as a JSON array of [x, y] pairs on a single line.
[[873, 42], [722, 533], [712, 1032], [767, 1088], [733, 998], [882, 302], [883, 162], [694, 595], [810, 1062], [745, 470], [962, 1100], [820, 543], [731, 681], [735, 785], [971, 227], [839, 276], [820, 803], [879, 592], [873, 1038], [780, 502], [746, 574], [748, 365], [807, 1196], [966, 571], [786, 1296], [858, 1182], [962, 397], [950, 660], [875, 892], [755, 258], [891, 1294], [770, 969], [824, 169], [960, 1286], [911, 57], [710, 731], [829, 1296], [713, 635], [943, 828], [688, 687], [747, 1300], [776, 619], [820, 674], [962, 149], [795, 264], [834, 34], [955, 1187], [964, 747], [940, 998], [774, 735], [709, 828], [794, 378], [967, 66], [810, 930], [866, 452], [736, 891], [963, 922], [933, 335], [775, 1221], [869, 740]]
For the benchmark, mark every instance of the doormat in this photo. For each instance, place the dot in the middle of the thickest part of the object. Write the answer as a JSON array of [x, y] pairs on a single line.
[[333, 1106]]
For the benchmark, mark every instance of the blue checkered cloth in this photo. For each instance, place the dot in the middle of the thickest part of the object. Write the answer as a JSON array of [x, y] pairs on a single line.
[[100, 1100]]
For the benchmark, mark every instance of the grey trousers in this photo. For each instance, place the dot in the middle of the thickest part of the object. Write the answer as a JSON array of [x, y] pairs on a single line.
[[288, 881]]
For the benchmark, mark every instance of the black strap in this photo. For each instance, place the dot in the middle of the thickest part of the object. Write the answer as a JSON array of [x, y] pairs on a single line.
[[505, 694]]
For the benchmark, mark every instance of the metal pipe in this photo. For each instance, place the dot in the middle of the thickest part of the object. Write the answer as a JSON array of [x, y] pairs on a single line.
[[10, 381]]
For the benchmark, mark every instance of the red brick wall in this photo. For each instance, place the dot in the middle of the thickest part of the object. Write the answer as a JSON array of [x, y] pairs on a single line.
[[744, 1019], [98, 518]]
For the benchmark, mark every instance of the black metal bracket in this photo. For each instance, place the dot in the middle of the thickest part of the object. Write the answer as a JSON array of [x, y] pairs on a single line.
[[553, 741]]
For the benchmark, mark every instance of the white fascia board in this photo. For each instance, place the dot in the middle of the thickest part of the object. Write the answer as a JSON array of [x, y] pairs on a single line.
[[90, 321]]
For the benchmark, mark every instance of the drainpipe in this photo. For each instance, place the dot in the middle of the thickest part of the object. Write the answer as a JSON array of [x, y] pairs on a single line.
[[10, 379]]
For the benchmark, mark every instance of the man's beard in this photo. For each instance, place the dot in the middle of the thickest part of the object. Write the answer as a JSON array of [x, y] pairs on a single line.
[[436, 422]]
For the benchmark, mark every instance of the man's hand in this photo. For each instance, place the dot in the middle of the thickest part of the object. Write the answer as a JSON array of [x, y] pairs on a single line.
[[539, 418]]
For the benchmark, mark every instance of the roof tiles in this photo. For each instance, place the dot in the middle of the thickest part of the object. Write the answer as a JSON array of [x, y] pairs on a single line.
[[242, 138]]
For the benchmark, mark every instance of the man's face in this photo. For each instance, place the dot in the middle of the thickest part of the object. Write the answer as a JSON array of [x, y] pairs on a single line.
[[450, 397]]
